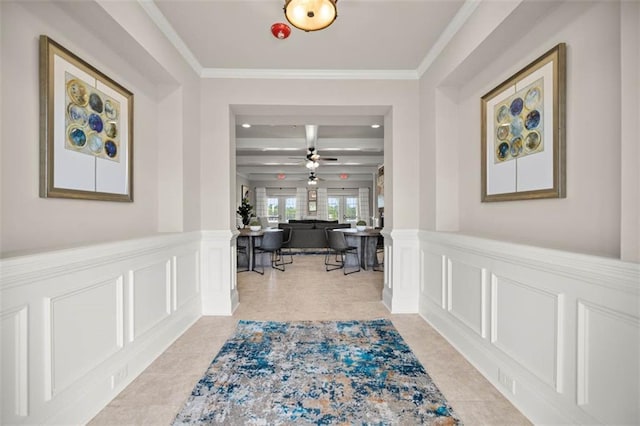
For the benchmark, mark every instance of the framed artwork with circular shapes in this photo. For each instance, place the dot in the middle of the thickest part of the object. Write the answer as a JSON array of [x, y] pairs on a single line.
[[523, 132], [86, 122]]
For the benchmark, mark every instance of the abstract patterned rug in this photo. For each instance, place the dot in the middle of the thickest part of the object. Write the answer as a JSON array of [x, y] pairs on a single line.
[[329, 372]]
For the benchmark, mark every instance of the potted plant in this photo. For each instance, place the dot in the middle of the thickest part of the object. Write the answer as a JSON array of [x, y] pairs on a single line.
[[244, 211], [254, 224], [361, 225]]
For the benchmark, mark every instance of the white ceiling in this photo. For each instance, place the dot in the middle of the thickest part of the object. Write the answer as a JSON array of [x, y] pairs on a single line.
[[383, 38]]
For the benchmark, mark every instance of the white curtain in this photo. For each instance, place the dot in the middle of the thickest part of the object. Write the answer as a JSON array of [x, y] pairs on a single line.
[[363, 208], [323, 209], [261, 202], [301, 203]]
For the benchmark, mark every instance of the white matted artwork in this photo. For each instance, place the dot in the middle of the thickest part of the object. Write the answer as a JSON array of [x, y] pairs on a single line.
[[86, 136], [523, 150]]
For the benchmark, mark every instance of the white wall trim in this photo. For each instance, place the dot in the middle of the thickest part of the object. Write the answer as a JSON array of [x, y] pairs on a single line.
[[302, 74], [405, 271], [80, 324], [556, 321], [219, 291]]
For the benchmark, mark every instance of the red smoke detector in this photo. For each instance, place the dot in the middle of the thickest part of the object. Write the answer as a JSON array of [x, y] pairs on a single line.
[[344, 176], [280, 30], [281, 176]]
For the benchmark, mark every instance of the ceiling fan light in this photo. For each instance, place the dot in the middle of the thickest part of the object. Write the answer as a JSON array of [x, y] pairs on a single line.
[[310, 15], [312, 165], [312, 182]]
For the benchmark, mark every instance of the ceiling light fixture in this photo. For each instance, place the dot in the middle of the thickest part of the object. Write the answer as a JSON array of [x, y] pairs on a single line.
[[313, 179], [311, 15], [312, 165], [375, 126], [246, 125]]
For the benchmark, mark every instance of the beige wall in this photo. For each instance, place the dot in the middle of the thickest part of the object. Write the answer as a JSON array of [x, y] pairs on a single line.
[[183, 155], [30, 223], [588, 220]]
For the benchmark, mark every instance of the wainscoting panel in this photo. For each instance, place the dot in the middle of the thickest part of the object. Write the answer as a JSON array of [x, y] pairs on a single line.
[[187, 269], [466, 288], [603, 369], [86, 328], [563, 339], [435, 267], [524, 324], [80, 324], [15, 364], [219, 293], [405, 271], [150, 297]]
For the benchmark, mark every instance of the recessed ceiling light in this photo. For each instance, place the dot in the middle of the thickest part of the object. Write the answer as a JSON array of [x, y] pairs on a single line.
[[246, 125], [375, 126]]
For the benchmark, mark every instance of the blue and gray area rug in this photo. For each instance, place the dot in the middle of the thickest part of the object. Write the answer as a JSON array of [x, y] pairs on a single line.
[[338, 372]]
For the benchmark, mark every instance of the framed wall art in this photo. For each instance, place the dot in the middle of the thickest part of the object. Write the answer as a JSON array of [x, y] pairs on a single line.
[[523, 132], [313, 206], [244, 192], [86, 129], [313, 195]]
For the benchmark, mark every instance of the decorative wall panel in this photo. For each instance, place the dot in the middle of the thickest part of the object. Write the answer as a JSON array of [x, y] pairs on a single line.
[[187, 271], [608, 364], [564, 337], [86, 328], [150, 297], [435, 268], [15, 371], [466, 294], [524, 324], [68, 317]]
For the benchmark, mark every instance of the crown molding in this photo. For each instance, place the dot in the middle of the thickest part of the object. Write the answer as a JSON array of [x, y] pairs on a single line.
[[466, 10], [464, 13], [165, 27], [309, 74]]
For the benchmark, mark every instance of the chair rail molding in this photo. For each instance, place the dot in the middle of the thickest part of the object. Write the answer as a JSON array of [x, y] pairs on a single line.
[[80, 324], [544, 326]]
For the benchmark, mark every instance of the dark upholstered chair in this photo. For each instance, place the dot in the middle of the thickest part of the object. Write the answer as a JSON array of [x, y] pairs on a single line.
[[338, 246], [242, 250], [272, 244], [379, 266], [287, 233]]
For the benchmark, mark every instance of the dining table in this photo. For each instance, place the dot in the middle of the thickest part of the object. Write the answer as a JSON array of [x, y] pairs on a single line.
[[366, 242]]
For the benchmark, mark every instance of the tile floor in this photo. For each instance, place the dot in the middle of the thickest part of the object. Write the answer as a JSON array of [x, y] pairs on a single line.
[[304, 292]]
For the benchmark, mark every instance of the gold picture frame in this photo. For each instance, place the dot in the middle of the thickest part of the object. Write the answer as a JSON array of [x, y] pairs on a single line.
[[523, 132], [86, 129]]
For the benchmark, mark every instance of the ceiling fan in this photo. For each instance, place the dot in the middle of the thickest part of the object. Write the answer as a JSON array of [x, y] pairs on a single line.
[[313, 158]]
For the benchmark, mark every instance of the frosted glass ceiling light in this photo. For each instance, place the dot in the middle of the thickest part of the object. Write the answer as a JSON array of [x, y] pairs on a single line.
[[312, 165], [310, 15]]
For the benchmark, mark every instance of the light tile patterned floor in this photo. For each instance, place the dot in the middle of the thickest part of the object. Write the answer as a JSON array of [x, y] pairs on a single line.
[[304, 292]]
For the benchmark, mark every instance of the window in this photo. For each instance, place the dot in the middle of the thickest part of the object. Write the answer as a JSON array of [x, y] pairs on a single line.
[[281, 208], [343, 208]]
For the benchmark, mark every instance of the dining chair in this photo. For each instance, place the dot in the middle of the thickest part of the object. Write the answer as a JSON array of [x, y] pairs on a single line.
[[272, 244], [242, 250], [379, 266], [338, 246], [287, 234]]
